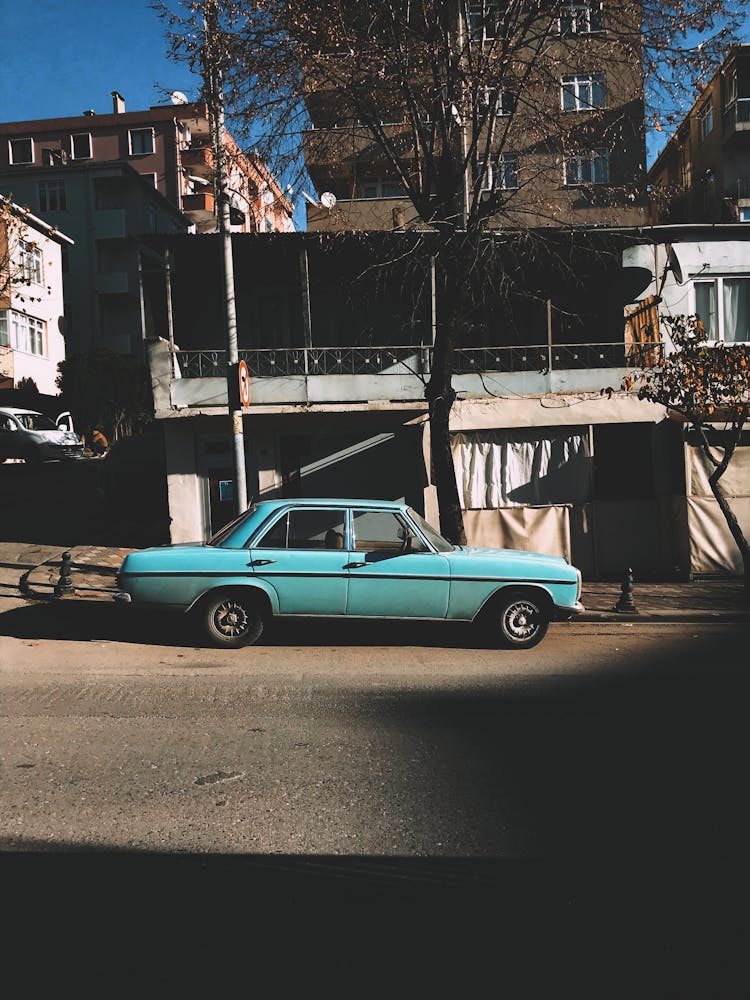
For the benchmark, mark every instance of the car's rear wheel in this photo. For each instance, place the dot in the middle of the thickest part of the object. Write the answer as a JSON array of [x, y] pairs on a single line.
[[523, 620], [232, 619]]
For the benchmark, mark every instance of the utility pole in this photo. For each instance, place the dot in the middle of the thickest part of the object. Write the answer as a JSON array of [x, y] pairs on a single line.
[[215, 100]]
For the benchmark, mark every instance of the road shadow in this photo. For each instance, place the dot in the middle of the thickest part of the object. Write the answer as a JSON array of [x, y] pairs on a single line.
[[81, 620]]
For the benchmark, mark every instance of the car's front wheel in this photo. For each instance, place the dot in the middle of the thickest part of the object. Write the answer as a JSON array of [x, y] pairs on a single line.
[[523, 620], [231, 619]]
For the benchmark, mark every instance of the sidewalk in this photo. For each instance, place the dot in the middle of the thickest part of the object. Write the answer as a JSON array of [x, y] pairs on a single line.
[[94, 568]]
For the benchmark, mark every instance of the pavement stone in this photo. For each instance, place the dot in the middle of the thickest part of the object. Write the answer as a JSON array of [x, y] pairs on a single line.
[[94, 568]]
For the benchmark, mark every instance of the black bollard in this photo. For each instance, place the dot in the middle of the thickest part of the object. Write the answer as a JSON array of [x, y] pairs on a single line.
[[64, 584], [625, 603]]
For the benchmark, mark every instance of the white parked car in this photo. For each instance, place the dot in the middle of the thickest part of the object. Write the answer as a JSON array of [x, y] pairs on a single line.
[[30, 435]]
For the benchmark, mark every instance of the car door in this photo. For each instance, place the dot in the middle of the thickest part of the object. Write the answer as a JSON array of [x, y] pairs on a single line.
[[303, 557], [11, 438], [386, 579]]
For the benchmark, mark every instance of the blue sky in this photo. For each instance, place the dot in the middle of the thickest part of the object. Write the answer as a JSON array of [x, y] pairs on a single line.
[[61, 57]]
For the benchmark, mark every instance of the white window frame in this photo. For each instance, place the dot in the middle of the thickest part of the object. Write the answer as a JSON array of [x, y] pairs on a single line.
[[580, 15], [717, 280], [504, 97], [499, 166], [132, 131], [30, 262], [58, 186], [11, 158], [589, 156], [705, 115], [23, 333], [580, 86], [482, 26], [379, 184], [78, 135]]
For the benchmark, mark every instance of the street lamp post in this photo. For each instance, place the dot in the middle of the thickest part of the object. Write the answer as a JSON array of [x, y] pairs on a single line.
[[215, 100]]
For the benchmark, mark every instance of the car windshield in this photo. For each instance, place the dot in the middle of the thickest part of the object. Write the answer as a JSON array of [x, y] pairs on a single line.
[[436, 539], [224, 532], [35, 422]]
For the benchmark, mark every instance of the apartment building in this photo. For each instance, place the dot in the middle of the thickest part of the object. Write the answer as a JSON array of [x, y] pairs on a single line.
[[110, 179], [570, 134], [31, 298], [106, 208], [703, 172], [169, 145]]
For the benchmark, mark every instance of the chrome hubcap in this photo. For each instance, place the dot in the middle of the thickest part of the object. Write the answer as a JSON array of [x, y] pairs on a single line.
[[520, 620], [230, 619]]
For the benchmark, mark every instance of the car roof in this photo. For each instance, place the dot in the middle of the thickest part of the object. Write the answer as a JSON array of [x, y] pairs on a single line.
[[18, 409], [331, 502]]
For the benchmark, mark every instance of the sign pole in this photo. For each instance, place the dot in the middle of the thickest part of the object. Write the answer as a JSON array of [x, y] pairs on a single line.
[[212, 82]]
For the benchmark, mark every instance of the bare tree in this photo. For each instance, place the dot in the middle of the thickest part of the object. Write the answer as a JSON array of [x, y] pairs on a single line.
[[706, 385], [475, 108]]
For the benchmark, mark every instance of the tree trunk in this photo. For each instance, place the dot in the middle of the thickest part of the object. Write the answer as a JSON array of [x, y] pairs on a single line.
[[440, 395], [726, 510]]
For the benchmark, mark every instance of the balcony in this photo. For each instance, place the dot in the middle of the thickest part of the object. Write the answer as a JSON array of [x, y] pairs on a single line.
[[110, 224], [198, 160], [199, 207], [736, 117], [362, 213], [398, 375]]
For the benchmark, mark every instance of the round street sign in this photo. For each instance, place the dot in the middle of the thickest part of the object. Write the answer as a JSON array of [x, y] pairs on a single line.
[[244, 377]]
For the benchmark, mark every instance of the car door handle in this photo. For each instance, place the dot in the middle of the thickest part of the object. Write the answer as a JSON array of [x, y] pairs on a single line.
[[261, 562], [355, 565]]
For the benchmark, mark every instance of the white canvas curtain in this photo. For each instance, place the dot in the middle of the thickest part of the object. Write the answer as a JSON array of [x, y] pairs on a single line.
[[521, 468]]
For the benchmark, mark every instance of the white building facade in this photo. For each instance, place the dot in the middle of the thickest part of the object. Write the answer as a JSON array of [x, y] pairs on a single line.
[[32, 341]]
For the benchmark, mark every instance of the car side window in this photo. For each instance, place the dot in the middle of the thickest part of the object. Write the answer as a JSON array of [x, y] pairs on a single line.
[[6, 424], [275, 537], [380, 531], [308, 528]]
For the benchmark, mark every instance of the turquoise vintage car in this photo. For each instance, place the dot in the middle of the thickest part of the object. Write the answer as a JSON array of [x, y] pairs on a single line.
[[353, 558]]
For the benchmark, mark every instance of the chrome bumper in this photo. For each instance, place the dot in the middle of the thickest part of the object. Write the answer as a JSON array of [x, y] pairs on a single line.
[[122, 598], [565, 613]]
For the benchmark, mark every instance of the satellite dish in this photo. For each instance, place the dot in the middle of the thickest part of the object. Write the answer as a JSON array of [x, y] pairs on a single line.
[[327, 200], [673, 264], [177, 97], [267, 198]]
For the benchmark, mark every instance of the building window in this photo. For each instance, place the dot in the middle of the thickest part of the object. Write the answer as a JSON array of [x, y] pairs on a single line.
[[52, 196], [30, 260], [21, 332], [591, 167], [484, 20], [141, 141], [723, 306], [500, 174], [583, 92], [581, 18], [80, 144], [54, 157], [381, 187], [505, 102], [705, 120], [153, 225], [21, 150], [745, 215]]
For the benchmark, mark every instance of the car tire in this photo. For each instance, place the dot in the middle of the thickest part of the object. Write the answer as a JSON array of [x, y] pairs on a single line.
[[521, 618], [231, 619]]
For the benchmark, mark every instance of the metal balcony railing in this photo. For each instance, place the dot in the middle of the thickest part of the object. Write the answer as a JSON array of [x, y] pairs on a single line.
[[415, 360]]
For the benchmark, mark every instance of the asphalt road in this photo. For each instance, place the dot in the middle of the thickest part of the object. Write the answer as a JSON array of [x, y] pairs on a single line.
[[394, 770]]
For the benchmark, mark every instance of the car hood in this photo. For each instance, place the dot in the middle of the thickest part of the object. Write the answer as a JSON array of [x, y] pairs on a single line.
[[55, 437], [509, 562]]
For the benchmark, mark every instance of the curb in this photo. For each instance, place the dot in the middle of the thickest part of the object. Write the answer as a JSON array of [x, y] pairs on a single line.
[[665, 616]]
